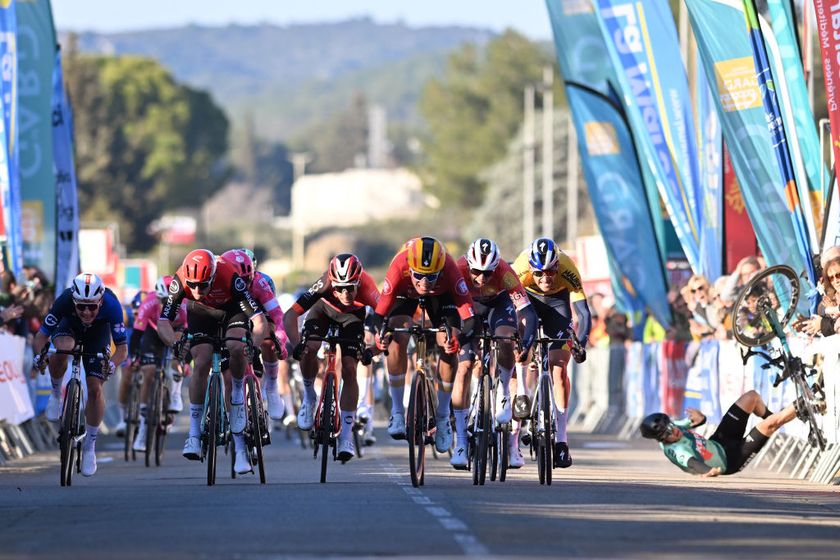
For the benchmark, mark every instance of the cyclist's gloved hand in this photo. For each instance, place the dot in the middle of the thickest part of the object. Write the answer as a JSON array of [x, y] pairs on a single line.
[[522, 354], [108, 367], [382, 340], [366, 357], [41, 362], [282, 341], [452, 346], [297, 352], [579, 354]]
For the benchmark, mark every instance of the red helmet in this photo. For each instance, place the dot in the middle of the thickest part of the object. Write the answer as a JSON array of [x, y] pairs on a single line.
[[241, 262], [199, 266], [345, 270]]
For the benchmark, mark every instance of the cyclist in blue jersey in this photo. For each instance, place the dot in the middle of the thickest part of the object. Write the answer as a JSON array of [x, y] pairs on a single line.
[[726, 451], [89, 314]]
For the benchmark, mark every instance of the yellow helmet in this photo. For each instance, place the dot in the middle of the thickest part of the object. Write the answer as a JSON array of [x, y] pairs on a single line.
[[426, 255]]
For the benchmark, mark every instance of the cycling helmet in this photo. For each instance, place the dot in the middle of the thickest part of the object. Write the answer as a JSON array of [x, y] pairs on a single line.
[[199, 266], [483, 254], [345, 270], [241, 262], [426, 255], [162, 286], [250, 254], [87, 287], [137, 300], [655, 426], [543, 254]]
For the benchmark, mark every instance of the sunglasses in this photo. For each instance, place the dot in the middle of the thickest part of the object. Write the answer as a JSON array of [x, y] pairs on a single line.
[[431, 277], [342, 289], [833, 277], [699, 289], [476, 272], [198, 285], [541, 273], [87, 306]]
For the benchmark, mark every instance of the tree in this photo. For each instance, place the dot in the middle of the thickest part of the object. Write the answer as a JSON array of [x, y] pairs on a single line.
[[474, 110], [144, 143], [338, 142]]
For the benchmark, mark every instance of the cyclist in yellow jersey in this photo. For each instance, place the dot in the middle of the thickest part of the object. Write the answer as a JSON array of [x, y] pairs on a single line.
[[553, 284]]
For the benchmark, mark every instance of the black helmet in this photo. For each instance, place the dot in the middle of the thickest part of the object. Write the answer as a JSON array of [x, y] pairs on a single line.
[[655, 426]]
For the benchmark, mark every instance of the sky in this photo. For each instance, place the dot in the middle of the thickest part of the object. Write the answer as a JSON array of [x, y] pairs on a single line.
[[526, 16]]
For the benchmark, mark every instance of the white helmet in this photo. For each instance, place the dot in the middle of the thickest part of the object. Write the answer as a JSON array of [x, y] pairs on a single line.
[[162, 286], [88, 287], [483, 254]]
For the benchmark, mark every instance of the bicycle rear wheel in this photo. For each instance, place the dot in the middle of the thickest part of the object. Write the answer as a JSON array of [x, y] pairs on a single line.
[[327, 416], [132, 413], [416, 423], [815, 435], [548, 426], [69, 427], [254, 413], [213, 426]]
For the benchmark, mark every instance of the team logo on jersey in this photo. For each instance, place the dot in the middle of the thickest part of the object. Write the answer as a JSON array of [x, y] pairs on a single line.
[[573, 279], [239, 284], [51, 320], [174, 286], [461, 287], [317, 286], [386, 287]]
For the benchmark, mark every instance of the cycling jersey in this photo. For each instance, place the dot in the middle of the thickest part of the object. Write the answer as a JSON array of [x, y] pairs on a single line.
[[367, 294], [227, 288], [567, 277], [690, 446], [503, 279], [110, 313], [149, 311], [398, 283], [263, 289]]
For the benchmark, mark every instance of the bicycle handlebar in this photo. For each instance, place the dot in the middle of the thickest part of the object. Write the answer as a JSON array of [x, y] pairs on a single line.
[[362, 353]]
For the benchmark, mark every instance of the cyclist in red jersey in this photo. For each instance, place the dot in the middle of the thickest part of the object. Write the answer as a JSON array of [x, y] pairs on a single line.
[[262, 289], [216, 296], [339, 297], [149, 352], [423, 269], [502, 302]]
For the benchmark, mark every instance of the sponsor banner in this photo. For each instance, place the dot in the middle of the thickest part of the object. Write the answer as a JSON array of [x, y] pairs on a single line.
[[701, 386], [641, 39], [634, 402], [740, 236], [726, 57], [831, 226], [828, 26], [801, 127], [805, 235], [15, 404], [36, 61], [10, 204], [651, 361], [711, 180], [672, 377], [67, 209], [608, 156]]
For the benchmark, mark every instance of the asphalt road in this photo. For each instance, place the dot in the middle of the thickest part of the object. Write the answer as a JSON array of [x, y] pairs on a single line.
[[618, 500]]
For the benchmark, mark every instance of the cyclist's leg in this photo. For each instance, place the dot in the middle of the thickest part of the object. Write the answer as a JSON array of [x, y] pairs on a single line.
[[96, 338], [503, 323], [397, 359], [202, 321], [273, 385]]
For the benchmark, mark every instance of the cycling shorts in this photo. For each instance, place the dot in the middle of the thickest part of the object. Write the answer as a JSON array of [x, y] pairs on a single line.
[[498, 312], [93, 339], [439, 308], [739, 449], [555, 314], [350, 324]]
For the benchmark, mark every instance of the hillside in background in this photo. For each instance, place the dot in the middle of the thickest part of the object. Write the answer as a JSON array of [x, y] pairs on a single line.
[[291, 77]]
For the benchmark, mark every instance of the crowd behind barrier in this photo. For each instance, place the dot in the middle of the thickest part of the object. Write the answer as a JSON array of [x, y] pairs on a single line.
[[620, 384]]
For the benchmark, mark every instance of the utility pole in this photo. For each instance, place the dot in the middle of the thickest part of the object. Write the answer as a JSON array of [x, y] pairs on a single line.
[[299, 161], [548, 153], [528, 167]]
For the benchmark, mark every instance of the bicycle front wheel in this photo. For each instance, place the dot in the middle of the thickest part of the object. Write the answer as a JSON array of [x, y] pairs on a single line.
[[327, 421], [69, 427], [254, 410], [503, 447], [213, 426], [482, 431], [132, 415], [163, 426], [152, 420], [416, 423], [548, 427]]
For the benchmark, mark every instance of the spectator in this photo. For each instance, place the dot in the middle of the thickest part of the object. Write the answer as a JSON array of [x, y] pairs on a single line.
[[7, 283], [9, 314], [723, 331], [743, 273], [597, 334], [616, 327], [704, 318], [680, 328], [827, 320]]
